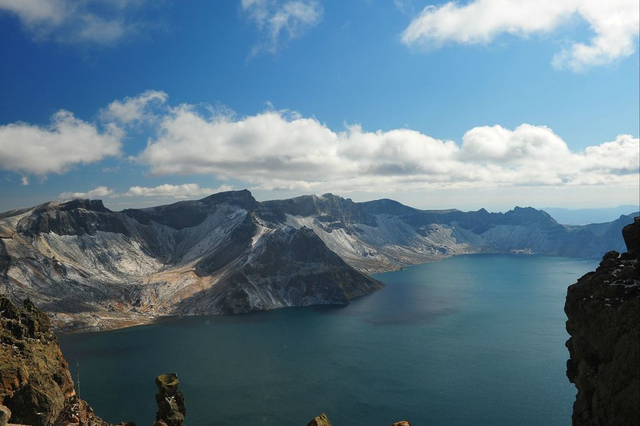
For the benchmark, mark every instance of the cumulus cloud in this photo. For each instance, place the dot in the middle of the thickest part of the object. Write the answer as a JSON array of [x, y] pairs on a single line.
[[175, 191], [98, 192], [283, 150], [280, 150], [187, 190], [89, 21], [615, 25], [136, 109], [67, 141], [281, 21]]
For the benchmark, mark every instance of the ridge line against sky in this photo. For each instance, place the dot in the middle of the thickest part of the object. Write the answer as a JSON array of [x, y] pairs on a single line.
[[481, 103]]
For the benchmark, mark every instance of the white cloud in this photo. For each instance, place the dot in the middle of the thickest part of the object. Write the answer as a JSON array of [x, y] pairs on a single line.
[[90, 21], [136, 109], [98, 192], [281, 21], [68, 141], [279, 150], [175, 191], [282, 150], [615, 24], [24, 181], [187, 190]]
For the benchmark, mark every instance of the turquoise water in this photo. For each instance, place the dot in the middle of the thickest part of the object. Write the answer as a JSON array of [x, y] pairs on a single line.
[[471, 340]]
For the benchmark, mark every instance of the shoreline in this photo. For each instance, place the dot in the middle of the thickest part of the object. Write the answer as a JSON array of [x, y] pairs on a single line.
[[124, 320]]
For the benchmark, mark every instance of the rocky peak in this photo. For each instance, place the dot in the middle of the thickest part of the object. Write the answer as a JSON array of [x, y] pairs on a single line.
[[242, 198], [85, 204], [521, 215], [75, 217]]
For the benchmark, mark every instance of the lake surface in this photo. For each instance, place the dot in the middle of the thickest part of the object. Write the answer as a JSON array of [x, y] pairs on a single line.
[[471, 340]]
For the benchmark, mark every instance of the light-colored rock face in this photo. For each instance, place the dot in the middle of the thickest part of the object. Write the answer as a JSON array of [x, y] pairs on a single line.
[[97, 269], [93, 268]]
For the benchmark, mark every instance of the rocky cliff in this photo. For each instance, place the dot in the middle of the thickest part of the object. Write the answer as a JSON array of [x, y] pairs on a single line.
[[603, 311], [35, 384], [93, 268]]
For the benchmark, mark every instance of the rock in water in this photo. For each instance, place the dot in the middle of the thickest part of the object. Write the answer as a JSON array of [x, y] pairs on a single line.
[[402, 423], [603, 310], [321, 420], [171, 407]]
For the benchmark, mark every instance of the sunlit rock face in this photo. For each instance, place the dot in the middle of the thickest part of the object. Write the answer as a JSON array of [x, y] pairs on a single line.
[[603, 310], [93, 268]]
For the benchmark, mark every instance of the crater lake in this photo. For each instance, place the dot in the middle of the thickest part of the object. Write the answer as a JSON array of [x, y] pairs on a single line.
[[474, 339]]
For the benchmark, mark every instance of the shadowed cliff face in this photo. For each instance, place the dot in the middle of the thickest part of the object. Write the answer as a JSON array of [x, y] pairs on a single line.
[[603, 310]]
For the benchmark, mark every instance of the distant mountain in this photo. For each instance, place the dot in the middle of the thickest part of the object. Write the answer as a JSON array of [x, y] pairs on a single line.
[[94, 268], [587, 216]]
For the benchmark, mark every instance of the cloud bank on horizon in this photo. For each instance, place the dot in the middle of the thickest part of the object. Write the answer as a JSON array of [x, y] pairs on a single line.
[[615, 24], [282, 150]]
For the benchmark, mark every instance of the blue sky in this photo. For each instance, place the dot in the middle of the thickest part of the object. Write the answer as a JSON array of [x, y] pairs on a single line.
[[331, 65]]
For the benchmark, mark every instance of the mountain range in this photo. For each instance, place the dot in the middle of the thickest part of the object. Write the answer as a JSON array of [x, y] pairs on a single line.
[[587, 216], [93, 268]]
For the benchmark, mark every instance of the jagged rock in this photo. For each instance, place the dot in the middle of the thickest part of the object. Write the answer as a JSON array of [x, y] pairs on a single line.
[[321, 420], [603, 311], [402, 423], [170, 400], [35, 383]]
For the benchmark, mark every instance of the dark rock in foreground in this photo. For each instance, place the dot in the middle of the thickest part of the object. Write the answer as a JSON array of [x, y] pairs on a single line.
[[603, 310]]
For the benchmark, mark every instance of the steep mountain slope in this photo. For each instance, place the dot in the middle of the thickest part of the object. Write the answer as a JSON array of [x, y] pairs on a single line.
[[95, 268]]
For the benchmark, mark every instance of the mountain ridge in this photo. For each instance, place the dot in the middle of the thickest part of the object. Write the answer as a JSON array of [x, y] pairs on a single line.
[[94, 268]]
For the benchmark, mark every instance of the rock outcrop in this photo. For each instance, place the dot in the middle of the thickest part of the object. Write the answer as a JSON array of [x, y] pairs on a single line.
[[170, 400], [35, 384], [603, 310], [320, 420]]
